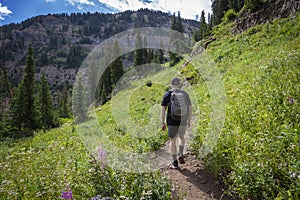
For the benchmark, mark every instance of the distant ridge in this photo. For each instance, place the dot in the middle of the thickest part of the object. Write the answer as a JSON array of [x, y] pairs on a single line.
[[61, 41]]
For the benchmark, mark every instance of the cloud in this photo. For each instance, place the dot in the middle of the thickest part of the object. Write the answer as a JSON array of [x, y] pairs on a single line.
[[80, 2], [50, 1], [123, 5], [4, 11], [188, 8]]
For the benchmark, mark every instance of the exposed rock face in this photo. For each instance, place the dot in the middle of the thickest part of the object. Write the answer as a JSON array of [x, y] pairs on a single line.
[[269, 12]]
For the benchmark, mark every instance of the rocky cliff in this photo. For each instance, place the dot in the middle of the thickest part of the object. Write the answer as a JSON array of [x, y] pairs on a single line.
[[267, 13]]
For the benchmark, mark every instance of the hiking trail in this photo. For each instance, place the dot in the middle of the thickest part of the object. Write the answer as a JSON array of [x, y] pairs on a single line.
[[191, 181]]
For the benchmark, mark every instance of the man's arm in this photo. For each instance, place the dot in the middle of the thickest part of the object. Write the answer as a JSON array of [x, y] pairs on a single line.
[[163, 117]]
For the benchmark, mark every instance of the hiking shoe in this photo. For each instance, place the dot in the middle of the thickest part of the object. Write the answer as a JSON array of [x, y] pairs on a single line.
[[181, 159], [174, 164]]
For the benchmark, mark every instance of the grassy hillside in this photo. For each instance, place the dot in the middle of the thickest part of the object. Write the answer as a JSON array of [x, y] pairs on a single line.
[[258, 152], [56, 161], [59, 160]]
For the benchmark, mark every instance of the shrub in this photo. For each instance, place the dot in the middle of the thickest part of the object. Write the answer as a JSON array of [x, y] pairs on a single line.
[[229, 16], [149, 83]]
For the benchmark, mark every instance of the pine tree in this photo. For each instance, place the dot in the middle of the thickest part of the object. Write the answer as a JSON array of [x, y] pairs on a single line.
[[30, 120], [6, 87], [138, 53], [179, 26], [16, 108], [203, 25], [63, 103], [176, 25], [45, 104], [233, 4], [5, 97], [150, 54], [79, 100], [160, 53], [116, 66], [2, 104], [253, 4], [104, 82], [103, 95], [219, 7], [145, 52], [92, 81], [236, 5], [23, 108]]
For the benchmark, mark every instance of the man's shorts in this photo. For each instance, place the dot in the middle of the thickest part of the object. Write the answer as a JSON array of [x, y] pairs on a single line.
[[174, 131]]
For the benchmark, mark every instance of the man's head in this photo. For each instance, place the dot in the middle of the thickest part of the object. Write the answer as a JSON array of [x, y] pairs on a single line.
[[175, 83]]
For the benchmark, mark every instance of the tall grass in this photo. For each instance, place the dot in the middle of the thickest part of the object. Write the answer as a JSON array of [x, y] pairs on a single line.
[[258, 152]]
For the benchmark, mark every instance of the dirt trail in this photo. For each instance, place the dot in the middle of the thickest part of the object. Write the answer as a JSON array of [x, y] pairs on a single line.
[[191, 181]]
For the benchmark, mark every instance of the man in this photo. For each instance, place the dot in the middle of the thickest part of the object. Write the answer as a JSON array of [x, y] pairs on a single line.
[[175, 127]]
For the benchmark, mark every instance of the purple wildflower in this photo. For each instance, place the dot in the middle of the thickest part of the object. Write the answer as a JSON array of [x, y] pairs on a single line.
[[101, 154], [291, 100], [67, 194]]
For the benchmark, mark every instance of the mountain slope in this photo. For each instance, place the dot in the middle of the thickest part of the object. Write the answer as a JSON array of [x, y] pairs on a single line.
[[61, 42], [257, 154]]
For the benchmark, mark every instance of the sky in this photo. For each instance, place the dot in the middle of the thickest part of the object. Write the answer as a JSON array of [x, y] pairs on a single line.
[[19, 10]]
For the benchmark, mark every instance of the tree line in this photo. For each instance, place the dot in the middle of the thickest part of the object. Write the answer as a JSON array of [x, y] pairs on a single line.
[[29, 106]]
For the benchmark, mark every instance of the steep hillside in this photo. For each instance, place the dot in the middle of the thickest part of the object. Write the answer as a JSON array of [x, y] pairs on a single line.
[[60, 42], [257, 153]]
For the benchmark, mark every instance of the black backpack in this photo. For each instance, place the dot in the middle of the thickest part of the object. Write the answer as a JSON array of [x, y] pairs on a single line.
[[178, 105]]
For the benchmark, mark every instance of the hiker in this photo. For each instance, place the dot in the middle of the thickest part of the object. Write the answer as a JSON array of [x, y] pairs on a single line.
[[176, 125]]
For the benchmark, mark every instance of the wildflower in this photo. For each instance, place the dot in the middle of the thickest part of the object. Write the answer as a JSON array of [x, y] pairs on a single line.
[[67, 194], [101, 154], [291, 100]]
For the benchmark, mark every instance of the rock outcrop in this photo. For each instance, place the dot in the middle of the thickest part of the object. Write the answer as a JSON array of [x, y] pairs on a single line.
[[267, 13]]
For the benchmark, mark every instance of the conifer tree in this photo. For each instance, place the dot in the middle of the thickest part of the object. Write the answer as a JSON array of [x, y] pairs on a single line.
[[63, 103], [219, 7], [176, 25], [138, 53], [104, 82], [253, 4], [92, 81], [160, 53], [1, 101], [116, 66], [29, 91], [102, 96], [233, 4], [16, 108], [179, 26], [6, 87], [145, 52], [45, 104], [203, 25], [79, 100], [150, 54], [5, 97], [23, 105]]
